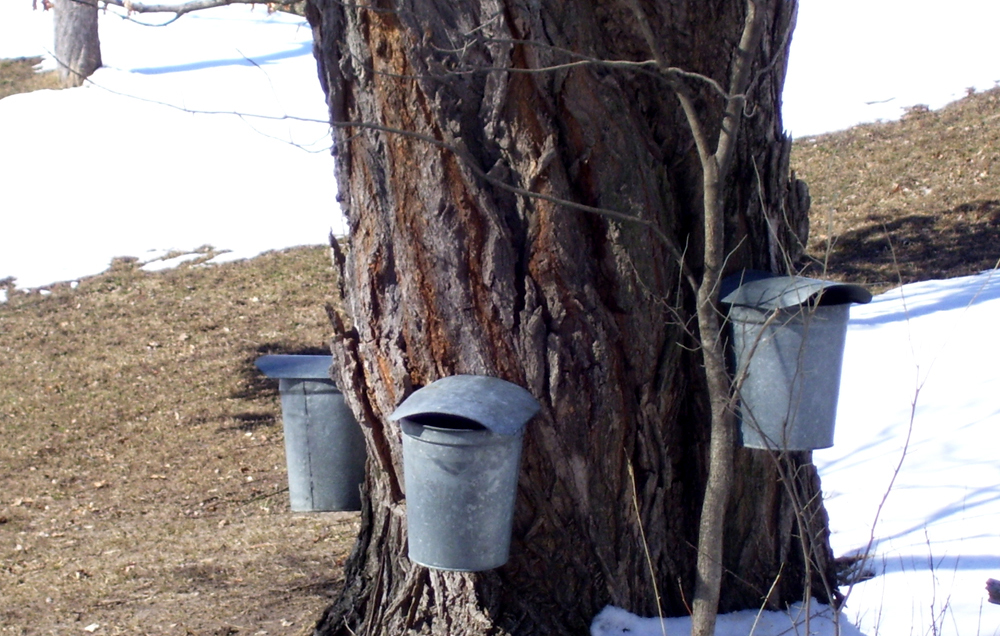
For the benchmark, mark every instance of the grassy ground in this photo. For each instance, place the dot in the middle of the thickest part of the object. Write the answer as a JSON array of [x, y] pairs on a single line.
[[143, 486], [911, 200], [142, 479], [19, 75]]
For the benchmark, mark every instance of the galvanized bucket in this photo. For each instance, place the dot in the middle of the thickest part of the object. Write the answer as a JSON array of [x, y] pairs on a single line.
[[324, 446], [788, 335], [461, 454]]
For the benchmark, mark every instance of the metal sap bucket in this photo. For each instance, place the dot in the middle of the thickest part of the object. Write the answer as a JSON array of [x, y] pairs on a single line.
[[788, 335], [461, 455], [324, 446]]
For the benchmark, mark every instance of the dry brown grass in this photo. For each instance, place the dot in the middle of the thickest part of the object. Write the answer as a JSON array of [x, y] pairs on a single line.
[[143, 483], [20, 75], [912, 200]]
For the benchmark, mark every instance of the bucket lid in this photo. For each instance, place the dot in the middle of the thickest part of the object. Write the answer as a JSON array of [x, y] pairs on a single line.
[[301, 367], [498, 405], [767, 291]]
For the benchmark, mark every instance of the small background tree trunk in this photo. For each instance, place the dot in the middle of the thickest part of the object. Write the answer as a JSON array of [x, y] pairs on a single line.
[[77, 45]]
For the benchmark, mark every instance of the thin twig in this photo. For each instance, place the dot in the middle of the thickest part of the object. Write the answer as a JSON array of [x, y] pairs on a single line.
[[645, 546], [264, 496], [767, 599], [467, 159]]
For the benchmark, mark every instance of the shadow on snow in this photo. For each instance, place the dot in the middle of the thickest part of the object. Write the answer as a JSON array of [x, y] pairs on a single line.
[[258, 60]]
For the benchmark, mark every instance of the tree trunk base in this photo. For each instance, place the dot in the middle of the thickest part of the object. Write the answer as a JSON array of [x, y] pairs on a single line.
[[77, 44]]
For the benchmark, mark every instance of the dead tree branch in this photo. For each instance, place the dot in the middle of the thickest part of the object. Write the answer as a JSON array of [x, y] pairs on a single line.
[[180, 8]]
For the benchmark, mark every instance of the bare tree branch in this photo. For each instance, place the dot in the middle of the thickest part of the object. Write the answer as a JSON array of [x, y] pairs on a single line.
[[662, 66], [180, 8]]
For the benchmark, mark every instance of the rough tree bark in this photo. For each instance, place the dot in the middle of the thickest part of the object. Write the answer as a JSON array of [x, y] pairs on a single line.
[[77, 45], [441, 111]]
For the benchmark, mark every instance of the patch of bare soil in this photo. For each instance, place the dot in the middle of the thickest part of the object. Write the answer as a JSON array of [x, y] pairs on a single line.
[[142, 474], [912, 200]]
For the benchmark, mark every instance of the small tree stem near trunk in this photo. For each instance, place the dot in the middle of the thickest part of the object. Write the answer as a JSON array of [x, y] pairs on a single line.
[[722, 446]]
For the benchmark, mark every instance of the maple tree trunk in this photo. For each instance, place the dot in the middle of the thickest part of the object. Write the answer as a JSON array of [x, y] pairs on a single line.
[[444, 114], [77, 45]]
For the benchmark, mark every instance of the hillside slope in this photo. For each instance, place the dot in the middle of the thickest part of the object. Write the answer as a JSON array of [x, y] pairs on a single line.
[[904, 201]]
